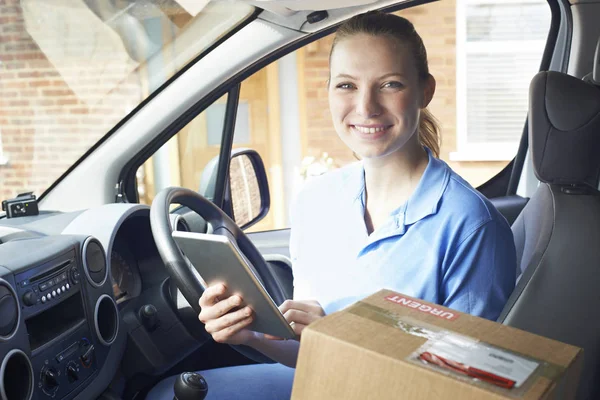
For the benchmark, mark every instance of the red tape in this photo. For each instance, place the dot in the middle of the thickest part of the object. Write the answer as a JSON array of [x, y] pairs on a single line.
[[466, 370]]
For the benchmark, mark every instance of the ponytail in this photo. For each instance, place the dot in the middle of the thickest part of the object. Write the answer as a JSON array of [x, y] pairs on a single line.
[[429, 132]]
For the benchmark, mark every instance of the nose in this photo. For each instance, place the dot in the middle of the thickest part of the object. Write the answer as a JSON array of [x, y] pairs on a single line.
[[367, 104]]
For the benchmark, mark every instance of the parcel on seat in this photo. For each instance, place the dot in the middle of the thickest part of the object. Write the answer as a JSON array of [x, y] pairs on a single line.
[[391, 346]]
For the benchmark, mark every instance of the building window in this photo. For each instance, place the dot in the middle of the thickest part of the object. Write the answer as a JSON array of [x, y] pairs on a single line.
[[499, 50]]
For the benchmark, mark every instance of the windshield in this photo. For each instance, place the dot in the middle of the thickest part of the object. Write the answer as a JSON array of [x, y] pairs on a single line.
[[70, 70]]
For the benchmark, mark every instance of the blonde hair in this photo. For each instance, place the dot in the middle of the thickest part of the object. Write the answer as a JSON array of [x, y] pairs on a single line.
[[377, 23], [429, 132]]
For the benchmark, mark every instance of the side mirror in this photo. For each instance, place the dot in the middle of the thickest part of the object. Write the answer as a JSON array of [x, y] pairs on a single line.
[[247, 198], [248, 188]]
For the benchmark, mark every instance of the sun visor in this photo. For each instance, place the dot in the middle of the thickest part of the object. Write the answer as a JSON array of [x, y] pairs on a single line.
[[311, 5], [193, 7]]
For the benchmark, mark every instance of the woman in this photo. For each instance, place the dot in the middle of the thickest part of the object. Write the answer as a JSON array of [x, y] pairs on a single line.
[[400, 219]]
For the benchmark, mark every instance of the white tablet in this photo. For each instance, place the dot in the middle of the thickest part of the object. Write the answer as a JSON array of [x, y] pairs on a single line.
[[218, 261]]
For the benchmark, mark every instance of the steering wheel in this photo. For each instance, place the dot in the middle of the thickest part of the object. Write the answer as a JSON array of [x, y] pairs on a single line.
[[180, 269]]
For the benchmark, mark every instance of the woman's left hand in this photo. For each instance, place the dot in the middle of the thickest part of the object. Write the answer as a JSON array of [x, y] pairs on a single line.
[[300, 313]]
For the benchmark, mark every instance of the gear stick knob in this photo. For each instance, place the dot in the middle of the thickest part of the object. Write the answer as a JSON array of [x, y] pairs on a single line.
[[190, 386]]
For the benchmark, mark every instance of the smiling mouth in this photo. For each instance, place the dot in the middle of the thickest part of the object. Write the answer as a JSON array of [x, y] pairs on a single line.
[[370, 130]]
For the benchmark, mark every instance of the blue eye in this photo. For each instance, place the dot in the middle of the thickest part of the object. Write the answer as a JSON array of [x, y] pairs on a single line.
[[344, 86], [393, 85]]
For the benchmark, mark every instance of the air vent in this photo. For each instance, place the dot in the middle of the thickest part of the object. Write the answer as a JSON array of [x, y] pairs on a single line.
[[9, 311], [94, 262], [16, 376], [106, 320]]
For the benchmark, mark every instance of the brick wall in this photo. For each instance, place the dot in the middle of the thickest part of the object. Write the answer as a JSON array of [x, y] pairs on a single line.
[[436, 24], [44, 125]]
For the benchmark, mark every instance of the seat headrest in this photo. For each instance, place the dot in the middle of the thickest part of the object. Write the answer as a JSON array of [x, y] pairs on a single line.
[[564, 129]]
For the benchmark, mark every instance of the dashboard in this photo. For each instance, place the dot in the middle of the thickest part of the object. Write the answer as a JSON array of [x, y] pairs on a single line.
[[71, 289], [124, 273]]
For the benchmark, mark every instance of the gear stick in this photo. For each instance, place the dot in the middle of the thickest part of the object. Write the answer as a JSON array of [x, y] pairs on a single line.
[[190, 386]]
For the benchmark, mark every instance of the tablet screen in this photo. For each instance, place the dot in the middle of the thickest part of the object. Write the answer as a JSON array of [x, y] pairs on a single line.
[[217, 260]]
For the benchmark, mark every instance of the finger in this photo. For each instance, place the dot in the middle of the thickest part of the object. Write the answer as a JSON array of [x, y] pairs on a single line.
[[224, 335], [227, 321], [306, 306], [297, 328], [299, 317], [220, 309], [211, 294]]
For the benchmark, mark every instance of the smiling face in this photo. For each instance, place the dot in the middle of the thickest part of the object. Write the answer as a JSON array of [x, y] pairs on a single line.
[[375, 95]]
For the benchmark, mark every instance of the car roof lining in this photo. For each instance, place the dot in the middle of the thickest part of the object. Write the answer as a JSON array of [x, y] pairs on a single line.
[[274, 12]]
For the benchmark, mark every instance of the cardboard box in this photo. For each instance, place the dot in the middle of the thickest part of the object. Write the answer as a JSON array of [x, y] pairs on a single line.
[[388, 346]]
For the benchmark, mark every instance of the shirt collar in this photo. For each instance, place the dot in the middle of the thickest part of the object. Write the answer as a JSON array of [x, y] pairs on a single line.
[[423, 202], [426, 198]]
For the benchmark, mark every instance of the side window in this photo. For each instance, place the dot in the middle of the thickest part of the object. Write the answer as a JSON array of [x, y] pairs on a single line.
[[182, 160], [267, 122], [258, 127]]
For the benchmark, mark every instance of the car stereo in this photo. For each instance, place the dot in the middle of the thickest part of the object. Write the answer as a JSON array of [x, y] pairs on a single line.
[[54, 312], [40, 287]]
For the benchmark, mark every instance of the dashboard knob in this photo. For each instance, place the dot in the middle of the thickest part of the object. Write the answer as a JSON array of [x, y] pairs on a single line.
[[72, 372], [88, 353], [49, 378], [30, 298]]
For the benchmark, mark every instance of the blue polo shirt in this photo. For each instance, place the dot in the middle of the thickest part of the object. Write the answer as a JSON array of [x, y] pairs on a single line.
[[447, 244]]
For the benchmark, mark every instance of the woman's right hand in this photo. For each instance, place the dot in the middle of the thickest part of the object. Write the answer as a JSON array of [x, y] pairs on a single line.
[[221, 317]]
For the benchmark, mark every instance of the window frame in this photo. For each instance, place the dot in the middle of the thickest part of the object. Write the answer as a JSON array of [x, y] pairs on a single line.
[[466, 151]]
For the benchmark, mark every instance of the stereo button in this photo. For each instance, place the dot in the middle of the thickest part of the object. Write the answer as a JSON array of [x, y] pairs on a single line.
[[58, 291], [63, 289], [43, 299], [74, 276], [54, 293], [68, 286]]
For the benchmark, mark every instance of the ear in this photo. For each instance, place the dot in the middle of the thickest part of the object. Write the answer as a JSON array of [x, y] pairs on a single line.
[[428, 91]]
